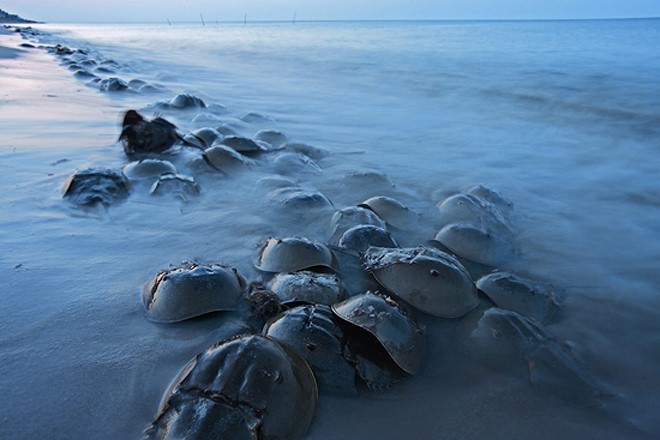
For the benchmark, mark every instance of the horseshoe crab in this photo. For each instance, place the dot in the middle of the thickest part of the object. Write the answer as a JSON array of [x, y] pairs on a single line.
[[202, 138], [312, 332], [428, 279], [148, 169], [186, 101], [348, 217], [273, 137], [250, 387], [141, 136], [511, 292], [225, 159], [508, 341], [178, 186], [470, 209], [492, 196], [291, 254], [476, 243], [112, 85], [96, 186], [359, 238], [243, 145], [389, 323], [391, 211], [287, 162], [192, 290], [296, 197], [307, 287]]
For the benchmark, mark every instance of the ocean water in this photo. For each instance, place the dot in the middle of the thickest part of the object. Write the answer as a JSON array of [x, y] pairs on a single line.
[[562, 117]]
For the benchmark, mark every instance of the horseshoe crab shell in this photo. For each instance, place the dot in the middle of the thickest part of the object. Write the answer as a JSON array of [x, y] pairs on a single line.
[[511, 292], [348, 217], [312, 332], [148, 169], [359, 238], [428, 279], [476, 243], [389, 323], [308, 287], [186, 101], [202, 138], [225, 159], [243, 145], [291, 254], [96, 186], [392, 211], [274, 137], [493, 196], [470, 209], [177, 186], [244, 388], [506, 340], [192, 290]]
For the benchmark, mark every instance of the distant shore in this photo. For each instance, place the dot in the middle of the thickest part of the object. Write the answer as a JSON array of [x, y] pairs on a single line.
[[6, 17]]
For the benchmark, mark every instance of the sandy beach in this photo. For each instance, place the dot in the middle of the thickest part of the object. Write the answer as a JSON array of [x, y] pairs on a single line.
[[78, 357]]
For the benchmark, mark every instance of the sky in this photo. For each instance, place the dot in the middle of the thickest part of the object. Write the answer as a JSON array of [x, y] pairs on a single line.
[[64, 11]]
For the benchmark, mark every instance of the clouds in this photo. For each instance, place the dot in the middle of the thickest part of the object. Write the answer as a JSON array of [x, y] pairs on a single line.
[[233, 10]]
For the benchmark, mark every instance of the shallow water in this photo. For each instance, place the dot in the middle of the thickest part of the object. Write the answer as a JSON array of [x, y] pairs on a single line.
[[561, 117]]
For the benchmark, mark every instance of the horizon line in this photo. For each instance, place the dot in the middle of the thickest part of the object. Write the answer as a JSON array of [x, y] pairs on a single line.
[[385, 20]]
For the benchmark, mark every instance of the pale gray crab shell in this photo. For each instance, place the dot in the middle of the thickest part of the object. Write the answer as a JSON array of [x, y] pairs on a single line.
[[428, 279], [309, 287], [148, 169], [244, 388], [476, 243], [401, 337], [511, 292], [292, 254], [391, 211], [225, 159], [193, 290]]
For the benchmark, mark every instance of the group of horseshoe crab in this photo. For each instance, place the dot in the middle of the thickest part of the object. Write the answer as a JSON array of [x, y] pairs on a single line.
[[340, 316]]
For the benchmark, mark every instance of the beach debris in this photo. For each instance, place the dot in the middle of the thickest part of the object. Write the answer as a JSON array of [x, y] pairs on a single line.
[[94, 186], [148, 169], [359, 238], [291, 254], [392, 211], [249, 387], [312, 331], [192, 290], [307, 287], [511, 292], [389, 323], [426, 278], [141, 136]]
